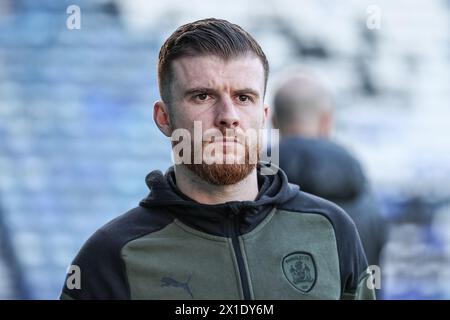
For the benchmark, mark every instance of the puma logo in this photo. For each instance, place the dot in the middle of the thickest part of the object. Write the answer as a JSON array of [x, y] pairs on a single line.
[[167, 281]]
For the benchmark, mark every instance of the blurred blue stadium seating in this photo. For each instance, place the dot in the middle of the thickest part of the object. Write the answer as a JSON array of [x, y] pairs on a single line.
[[76, 133]]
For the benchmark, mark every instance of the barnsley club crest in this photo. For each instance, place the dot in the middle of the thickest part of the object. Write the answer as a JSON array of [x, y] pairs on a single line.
[[299, 268]]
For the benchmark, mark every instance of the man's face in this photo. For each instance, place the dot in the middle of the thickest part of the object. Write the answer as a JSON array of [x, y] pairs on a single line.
[[221, 95]]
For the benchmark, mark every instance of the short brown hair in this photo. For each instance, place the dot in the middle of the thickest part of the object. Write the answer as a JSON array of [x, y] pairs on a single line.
[[209, 36]]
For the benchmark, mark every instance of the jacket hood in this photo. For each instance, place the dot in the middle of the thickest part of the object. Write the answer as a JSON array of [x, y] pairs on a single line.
[[322, 167], [164, 193]]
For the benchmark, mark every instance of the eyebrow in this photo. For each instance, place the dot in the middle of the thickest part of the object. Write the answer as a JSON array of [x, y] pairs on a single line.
[[198, 90], [248, 91]]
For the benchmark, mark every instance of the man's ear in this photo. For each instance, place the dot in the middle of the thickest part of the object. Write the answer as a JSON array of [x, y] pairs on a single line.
[[161, 118]]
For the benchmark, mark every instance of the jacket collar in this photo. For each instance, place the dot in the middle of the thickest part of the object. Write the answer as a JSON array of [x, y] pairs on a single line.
[[164, 193]]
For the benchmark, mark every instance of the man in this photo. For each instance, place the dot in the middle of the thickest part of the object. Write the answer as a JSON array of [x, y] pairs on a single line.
[[304, 115], [219, 229]]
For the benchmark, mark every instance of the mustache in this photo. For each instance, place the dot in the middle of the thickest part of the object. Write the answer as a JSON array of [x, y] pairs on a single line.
[[223, 139], [228, 135]]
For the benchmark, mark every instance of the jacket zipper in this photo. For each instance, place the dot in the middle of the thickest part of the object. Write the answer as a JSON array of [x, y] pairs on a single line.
[[233, 227]]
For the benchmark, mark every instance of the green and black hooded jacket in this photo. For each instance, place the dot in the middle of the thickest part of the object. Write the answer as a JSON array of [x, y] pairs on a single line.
[[286, 244]]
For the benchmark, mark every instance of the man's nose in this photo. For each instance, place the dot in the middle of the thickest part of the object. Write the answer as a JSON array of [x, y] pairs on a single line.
[[227, 116]]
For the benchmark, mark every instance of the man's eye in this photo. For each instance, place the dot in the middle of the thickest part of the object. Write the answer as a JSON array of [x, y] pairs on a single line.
[[202, 96], [243, 98]]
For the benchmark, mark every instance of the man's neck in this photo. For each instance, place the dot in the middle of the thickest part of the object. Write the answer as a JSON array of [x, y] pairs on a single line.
[[203, 192]]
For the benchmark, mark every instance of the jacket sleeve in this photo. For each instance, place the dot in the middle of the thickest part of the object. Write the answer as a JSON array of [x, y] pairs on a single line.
[[358, 279], [364, 289], [97, 272]]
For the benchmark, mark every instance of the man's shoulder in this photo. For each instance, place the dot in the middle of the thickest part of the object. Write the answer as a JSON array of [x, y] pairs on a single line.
[[352, 260], [108, 241], [100, 259], [133, 224], [303, 202]]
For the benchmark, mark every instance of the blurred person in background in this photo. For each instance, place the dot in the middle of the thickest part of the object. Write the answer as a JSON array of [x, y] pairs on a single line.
[[303, 112], [213, 230]]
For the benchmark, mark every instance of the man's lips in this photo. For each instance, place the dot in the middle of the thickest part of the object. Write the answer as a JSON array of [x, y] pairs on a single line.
[[224, 140]]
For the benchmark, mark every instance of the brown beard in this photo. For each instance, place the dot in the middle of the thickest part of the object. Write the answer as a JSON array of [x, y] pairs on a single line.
[[221, 174]]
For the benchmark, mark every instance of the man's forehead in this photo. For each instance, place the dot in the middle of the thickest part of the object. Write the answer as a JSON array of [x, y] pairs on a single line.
[[210, 70]]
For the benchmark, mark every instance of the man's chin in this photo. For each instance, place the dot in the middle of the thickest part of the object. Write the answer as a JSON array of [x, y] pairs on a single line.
[[221, 174], [230, 158]]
